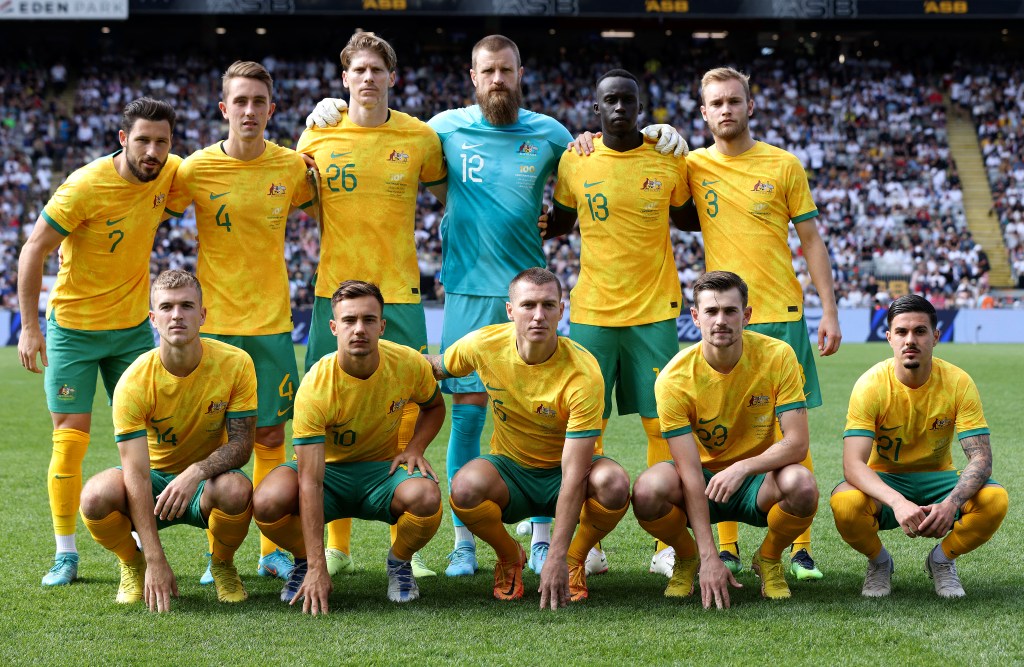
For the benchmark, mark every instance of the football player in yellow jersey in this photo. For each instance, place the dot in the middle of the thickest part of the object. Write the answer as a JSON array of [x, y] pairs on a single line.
[[347, 415], [897, 459], [184, 416], [718, 402], [244, 188], [746, 193], [548, 398], [625, 305], [104, 217], [371, 162]]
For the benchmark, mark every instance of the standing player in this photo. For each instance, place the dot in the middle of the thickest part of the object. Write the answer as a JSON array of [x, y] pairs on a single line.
[[547, 396], [184, 416], [371, 162], [718, 402], [746, 193], [347, 416], [625, 305], [105, 217], [897, 461], [499, 157], [243, 189]]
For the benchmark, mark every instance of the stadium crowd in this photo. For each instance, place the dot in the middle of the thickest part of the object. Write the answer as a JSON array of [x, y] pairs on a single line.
[[870, 133]]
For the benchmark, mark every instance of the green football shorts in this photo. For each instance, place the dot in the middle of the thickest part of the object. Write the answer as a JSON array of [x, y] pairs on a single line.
[[193, 516], [795, 333], [742, 507], [406, 325], [74, 355], [630, 360], [362, 490], [277, 374], [531, 491], [920, 488]]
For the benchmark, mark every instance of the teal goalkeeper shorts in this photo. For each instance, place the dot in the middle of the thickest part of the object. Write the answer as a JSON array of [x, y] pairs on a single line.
[[406, 325], [465, 314], [795, 333]]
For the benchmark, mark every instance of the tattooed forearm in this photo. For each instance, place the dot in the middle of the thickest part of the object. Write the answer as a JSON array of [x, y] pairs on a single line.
[[235, 452], [977, 472], [782, 425], [437, 364]]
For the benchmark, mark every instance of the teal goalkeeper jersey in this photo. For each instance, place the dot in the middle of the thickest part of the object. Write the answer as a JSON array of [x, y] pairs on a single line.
[[496, 178]]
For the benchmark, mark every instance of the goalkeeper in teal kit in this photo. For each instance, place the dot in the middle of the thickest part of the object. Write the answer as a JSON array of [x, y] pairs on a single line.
[[499, 158]]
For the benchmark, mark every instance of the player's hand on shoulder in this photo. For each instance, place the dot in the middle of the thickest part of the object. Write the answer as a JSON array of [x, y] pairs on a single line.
[[160, 586], [715, 579], [545, 216], [584, 143], [327, 112], [554, 584], [30, 343], [670, 142]]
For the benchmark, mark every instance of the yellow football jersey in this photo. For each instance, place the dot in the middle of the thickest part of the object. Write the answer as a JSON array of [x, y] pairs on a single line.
[[627, 267], [184, 419], [536, 407], [358, 419], [745, 204], [732, 417], [369, 181], [109, 225], [913, 428], [241, 211]]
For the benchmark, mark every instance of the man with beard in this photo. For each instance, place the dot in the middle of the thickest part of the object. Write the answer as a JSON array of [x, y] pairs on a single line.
[[718, 402], [244, 188], [904, 413], [104, 217], [745, 194]]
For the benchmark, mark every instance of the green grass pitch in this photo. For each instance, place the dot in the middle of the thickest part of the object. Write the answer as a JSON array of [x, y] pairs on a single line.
[[626, 621]]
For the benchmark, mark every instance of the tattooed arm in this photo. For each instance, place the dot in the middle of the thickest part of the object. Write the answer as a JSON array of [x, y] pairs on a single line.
[[975, 475], [235, 453], [437, 364]]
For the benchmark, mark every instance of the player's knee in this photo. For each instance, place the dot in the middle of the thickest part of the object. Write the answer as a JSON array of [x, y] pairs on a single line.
[[610, 485], [649, 494], [270, 437], [419, 496], [270, 502], [799, 488], [992, 502], [94, 501], [466, 491], [849, 508], [233, 493]]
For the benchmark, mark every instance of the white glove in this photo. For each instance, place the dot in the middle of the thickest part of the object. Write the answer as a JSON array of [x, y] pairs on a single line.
[[669, 141], [328, 112]]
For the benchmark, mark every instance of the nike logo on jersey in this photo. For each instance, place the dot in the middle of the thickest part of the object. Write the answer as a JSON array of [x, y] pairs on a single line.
[[707, 183], [467, 147], [490, 388], [281, 413], [213, 196], [114, 222], [707, 421], [157, 421], [886, 430], [337, 155], [590, 185]]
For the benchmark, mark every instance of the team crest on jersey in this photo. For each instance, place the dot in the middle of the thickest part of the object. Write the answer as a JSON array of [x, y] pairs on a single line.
[[651, 185], [764, 188], [757, 400], [398, 156], [66, 393], [528, 148], [277, 190], [545, 411], [397, 405], [159, 200], [939, 423], [216, 407]]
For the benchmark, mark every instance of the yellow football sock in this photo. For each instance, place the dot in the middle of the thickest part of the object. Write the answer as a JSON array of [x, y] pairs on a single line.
[[729, 537], [393, 530], [854, 514], [230, 531], [783, 528], [657, 451], [114, 533], [980, 518], [413, 532], [266, 459], [339, 535], [599, 445], [804, 540], [406, 427], [671, 530], [596, 521], [484, 521], [64, 478], [286, 531]]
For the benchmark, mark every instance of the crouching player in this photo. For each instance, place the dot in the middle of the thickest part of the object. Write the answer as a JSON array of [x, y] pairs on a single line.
[[897, 461], [347, 414], [718, 402], [184, 421], [548, 398]]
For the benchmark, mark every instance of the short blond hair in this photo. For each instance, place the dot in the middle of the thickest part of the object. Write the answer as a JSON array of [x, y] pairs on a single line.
[[720, 74], [368, 41], [494, 44], [176, 279], [247, 69]]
